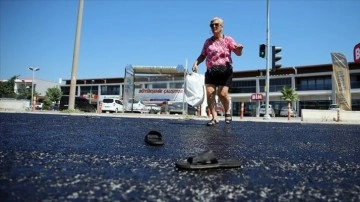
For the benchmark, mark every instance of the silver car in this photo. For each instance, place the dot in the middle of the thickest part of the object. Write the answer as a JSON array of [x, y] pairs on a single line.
[[177, 108], [135, 106], [284, 112]]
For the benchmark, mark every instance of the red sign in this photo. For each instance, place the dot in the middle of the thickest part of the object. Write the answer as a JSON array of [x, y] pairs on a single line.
[[357, 53], [256, 96]]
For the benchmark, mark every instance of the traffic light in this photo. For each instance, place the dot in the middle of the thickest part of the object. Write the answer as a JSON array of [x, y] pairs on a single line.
[[262, 50], [275, 57]]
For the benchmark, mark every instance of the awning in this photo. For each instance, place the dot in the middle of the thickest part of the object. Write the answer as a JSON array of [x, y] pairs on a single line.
[[158, 70]]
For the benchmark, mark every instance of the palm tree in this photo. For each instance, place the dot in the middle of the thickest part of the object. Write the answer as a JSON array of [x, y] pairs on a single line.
[[289, 95], [53, 96]]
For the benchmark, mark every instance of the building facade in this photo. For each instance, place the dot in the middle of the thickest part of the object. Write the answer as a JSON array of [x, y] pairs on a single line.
[[96, 89], [313, 84], [40, 86]]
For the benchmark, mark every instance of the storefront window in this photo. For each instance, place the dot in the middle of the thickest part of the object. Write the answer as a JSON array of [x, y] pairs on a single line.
[[110, 90]]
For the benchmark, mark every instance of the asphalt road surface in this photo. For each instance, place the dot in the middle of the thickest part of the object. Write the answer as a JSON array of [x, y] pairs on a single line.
[[45, 157]]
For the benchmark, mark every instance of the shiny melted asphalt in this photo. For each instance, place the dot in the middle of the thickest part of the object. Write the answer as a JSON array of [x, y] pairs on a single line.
[[59, 157]]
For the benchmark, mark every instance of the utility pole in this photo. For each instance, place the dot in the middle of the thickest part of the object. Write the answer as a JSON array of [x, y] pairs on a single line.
[[75, 57]]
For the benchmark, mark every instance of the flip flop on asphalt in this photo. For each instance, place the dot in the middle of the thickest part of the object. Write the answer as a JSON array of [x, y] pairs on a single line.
[[154, 138], [206, 160]]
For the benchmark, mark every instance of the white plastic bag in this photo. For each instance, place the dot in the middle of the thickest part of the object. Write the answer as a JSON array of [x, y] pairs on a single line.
[[194, 89]]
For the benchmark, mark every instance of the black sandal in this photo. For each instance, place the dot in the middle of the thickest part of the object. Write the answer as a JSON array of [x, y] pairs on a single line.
[[228, 118], [212, 122]]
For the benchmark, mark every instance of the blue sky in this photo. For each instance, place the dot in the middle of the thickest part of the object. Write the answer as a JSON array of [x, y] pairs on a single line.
[[115, 33]]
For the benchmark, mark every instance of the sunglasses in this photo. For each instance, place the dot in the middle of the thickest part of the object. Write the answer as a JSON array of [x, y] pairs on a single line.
[[214, 25]]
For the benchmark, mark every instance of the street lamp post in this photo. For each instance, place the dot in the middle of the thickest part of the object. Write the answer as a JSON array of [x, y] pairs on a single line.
[[33, 69]]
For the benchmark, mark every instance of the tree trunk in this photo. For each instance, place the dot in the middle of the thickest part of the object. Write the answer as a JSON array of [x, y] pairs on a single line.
[[289, 111]]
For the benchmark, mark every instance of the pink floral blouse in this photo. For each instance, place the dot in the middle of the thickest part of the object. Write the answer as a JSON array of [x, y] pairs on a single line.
[[218, 52]]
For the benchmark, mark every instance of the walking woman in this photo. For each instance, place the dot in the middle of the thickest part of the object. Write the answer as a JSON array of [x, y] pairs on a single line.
[[218, 77]]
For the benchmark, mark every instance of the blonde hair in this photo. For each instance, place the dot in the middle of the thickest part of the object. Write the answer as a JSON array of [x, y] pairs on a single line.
[[218, 19]]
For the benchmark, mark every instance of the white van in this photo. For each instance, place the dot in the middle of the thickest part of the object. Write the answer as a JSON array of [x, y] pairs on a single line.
[[262, 111], [112, 105]]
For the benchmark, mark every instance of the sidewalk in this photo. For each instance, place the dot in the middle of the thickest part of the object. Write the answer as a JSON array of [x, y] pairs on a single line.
[[221, 118]]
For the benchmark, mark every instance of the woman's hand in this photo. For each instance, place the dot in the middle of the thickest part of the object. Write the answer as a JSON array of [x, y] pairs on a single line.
[[199, 60], [238, 49], [194, 68]]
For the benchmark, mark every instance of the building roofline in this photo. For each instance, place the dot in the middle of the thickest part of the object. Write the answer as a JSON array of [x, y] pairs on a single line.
[[293, 70]]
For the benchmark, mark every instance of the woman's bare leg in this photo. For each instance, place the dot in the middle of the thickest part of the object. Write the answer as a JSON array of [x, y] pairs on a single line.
[[223, 93], [210, 93]]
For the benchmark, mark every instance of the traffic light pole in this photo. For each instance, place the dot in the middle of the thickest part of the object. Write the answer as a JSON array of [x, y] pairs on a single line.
[[267, 82]]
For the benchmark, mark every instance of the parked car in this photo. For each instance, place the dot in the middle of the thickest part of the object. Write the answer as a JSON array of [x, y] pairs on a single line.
[[81, 104], [177, 108], [249, 112], [153, 108], [284, 111], [334, 107], [39, 105], [135, 106], [54, 106], [262, 111], [111, 105]]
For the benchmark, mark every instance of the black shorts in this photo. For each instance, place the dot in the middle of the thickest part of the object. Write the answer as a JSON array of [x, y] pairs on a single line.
[[219, 75]]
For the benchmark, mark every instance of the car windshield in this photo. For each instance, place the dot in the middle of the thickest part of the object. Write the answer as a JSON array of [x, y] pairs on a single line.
[[108, 100], [133, 101], [177, 104], [334, 106]]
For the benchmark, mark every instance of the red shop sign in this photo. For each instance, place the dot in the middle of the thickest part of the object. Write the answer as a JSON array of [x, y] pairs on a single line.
[[357, 53], [256, 96]]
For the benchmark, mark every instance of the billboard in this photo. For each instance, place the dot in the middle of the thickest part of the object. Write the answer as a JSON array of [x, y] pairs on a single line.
[[341, 78], [128, 85], [159, 95]]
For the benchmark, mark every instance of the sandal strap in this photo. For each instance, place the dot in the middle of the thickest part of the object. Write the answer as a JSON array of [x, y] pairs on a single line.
[[206, 157], [212, 122], [228, 118]]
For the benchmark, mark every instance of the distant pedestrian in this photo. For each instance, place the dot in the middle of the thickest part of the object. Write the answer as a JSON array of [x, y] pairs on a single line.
[[164, 108], [218, 77]]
